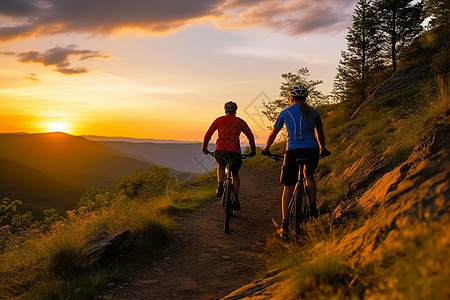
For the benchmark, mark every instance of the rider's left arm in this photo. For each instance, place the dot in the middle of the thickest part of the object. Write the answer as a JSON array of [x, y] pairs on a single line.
[[319, 131], [320, 137]]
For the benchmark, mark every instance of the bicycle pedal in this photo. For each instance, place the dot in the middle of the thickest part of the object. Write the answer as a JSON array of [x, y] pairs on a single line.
[[283, 235]]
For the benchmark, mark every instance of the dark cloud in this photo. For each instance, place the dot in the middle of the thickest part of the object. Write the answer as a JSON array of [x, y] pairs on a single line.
[[102, 17], [60, 57], [17, 8], [292, 17], [46, 17]]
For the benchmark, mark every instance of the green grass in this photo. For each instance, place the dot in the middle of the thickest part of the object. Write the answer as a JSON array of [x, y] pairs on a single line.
[[419, 268], [415, 265], [264, 163], [314, 269], [55, 265]]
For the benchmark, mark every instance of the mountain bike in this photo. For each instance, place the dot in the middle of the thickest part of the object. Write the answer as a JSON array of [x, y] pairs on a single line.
[[299, 205], [228, 198]]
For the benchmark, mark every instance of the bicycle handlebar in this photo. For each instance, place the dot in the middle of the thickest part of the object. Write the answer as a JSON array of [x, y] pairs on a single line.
[[278, 157], [209, 153], [243, 156]]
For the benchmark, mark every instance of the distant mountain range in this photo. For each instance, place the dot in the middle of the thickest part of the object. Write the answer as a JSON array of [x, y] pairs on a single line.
[[132, 140], [53, 170], [184, 156]]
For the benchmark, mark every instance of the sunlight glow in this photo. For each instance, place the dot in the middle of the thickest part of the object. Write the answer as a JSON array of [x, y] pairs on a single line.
[[57, 127]]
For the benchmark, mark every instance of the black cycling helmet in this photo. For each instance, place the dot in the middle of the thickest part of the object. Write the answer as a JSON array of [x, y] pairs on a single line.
[[298, 91], [230, 107]]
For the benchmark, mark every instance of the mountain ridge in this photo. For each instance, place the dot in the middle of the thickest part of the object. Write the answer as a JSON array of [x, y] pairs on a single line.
[[35, 189], [71, 163]]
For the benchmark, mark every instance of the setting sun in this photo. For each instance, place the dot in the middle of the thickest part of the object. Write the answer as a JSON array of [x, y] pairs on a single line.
[[57, 127]]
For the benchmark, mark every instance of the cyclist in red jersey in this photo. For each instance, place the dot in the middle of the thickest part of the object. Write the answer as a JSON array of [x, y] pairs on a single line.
[[228, 146]]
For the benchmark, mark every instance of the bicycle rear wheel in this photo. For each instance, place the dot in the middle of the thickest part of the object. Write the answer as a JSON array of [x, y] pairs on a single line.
[[229, 209]]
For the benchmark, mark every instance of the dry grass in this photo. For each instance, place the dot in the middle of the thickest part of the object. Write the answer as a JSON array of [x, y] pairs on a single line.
[[415, 265], [54, 265]]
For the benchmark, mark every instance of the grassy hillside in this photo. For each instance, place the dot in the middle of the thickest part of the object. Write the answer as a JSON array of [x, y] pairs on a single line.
[[70, 159], [58, 263], [36, 190], [383, 197]]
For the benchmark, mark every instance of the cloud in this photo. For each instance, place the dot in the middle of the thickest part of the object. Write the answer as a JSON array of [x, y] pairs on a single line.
[[292, 17], [60, 57], [17, 8], [32, 77], [47, 17]]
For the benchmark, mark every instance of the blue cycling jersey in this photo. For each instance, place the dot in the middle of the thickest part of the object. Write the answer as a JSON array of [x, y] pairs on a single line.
[[301, 131]]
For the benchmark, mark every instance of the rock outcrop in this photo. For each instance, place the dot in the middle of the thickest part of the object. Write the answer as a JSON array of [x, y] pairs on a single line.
[[102, 247], [416, 192]]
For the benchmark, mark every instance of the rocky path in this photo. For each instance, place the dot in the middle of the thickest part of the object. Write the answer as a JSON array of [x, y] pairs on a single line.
[[203, 262]]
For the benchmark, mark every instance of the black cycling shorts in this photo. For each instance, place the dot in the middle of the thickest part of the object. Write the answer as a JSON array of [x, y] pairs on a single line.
[[289, 171], [223, 156]]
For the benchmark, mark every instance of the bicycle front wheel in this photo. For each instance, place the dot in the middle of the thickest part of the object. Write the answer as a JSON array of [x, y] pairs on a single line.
[[229, 209], [299, 195]]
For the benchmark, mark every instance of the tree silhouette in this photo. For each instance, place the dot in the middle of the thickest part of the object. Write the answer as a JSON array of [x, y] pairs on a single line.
[[315, 97], [439, 11], [356, 72], [399, 21]]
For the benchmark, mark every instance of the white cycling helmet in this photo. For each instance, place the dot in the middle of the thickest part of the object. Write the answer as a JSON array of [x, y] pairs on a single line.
[[298, 91]]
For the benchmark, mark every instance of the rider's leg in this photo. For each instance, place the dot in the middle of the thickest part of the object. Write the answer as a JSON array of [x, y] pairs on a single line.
[[236, 185], [220, 173], [220, 177], [236, 182], [311, 188], [287, 195]]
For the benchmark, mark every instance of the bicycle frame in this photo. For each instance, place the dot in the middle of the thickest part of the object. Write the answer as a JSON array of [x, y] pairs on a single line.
[[228, 198], [299, 205]]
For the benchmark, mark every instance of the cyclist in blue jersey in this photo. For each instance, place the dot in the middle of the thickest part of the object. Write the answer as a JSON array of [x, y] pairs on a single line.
[[306, 139]]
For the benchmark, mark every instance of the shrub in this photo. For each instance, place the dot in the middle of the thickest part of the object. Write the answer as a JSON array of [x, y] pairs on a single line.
[[7, 209], [144, 185], [95, 198]]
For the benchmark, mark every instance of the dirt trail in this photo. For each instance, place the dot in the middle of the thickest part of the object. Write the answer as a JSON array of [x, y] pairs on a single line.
[[203, 262]]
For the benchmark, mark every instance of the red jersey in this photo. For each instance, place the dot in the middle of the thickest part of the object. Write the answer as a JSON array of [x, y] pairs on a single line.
[[230, 128]]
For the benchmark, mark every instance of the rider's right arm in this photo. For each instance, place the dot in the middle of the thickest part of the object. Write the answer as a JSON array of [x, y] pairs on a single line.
[[208, 135], [273, 134], [271, 138], [249, 134]]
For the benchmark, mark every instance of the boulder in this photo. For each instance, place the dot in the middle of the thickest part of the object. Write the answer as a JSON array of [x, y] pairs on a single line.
[[102, 247]]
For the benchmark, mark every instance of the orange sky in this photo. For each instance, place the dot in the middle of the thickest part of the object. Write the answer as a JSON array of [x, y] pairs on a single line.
[[146, 70]]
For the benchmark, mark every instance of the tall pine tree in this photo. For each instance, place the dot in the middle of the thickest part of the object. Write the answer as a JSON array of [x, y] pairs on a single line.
[[359, 63], [439, 13], [399, 22]]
